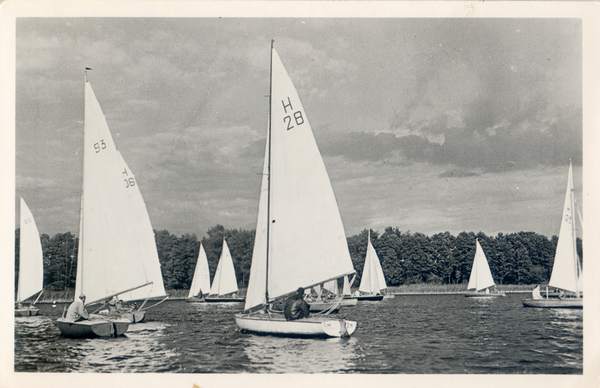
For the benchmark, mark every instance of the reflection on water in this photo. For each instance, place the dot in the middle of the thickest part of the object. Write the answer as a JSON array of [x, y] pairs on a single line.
[[294, 355]]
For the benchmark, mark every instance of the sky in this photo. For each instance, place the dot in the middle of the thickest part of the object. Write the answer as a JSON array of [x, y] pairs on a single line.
[[428, 125]]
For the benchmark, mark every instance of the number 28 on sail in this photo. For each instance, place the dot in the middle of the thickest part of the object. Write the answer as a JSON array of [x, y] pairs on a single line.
[[300, 240]]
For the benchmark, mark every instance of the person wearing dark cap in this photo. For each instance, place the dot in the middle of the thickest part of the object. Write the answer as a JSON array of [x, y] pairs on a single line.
[[76, 311], [296, 307]]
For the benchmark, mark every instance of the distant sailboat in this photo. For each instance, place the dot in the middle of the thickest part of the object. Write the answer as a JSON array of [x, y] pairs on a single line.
[[31, 263], [117, 251], [300, 239], [201, 280], [372, 281], [224, 287], [566, 271], [481, 276]]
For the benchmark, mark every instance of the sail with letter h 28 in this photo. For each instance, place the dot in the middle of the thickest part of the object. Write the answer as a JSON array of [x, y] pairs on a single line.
[[300, 240]]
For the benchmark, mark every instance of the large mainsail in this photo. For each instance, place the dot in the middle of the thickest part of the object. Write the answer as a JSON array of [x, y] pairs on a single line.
[[117, 248], [306, 242], [224, 281], [201, 279], [31, 262], [566, 262], [481, 276], [372, 280]]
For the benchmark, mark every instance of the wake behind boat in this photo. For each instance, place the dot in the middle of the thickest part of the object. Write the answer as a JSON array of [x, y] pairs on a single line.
[[566, 270], [481, 277], [31, 263], [300, 240], [117, 253]]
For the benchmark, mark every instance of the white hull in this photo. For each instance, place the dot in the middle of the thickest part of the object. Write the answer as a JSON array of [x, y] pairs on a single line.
[[568, 303], [93, 327], [316, 326], [26, 311]]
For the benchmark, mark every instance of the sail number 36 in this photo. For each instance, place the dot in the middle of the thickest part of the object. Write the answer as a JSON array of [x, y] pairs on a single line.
[[298, 118]]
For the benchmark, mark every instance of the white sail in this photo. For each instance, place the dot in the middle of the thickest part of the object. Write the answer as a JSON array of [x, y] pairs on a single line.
[[346, 290], [201, 279], [566, 261], [31, 262], [481, 276], [117, 246], [331, 286], [224, 281], [307, 243], [372, 280]]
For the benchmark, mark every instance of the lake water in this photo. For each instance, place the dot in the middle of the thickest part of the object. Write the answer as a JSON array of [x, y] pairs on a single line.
[[408, 334]]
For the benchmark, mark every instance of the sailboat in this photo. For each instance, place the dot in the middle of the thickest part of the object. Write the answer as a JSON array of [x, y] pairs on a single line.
[[300, 239], [201, 279], [224, 287], [372, 281], [117, 253], [31, 263], [481, 277], [566, 271]]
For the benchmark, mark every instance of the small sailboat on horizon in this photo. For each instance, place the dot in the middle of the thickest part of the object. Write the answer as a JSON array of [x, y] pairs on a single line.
[[201, 279], [372, 282], [481, 277], [566, 271], [117, 255], [300, 240], [31, 263], [224, 287]]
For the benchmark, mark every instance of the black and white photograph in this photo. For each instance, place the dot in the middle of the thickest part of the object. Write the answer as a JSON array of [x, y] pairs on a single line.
[[234, 194]]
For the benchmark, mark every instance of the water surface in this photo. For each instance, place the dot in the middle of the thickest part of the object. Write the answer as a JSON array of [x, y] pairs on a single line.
[[408, 334]]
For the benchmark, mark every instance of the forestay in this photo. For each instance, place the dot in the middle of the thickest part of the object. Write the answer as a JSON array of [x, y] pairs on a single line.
[[307, 243], [31, 264], [481, 276], [117, 248]]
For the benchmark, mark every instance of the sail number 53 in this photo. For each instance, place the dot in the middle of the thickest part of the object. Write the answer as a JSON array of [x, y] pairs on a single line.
[[298, 118], [99, 146]]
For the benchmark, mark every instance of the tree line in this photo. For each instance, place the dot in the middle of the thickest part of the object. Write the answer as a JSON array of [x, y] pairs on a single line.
[[406, 258]]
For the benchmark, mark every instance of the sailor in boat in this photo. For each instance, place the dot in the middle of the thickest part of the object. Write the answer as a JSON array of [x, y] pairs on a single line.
[[76, 311], [535, 294], [487, 290], [296, 307], [54, 304]]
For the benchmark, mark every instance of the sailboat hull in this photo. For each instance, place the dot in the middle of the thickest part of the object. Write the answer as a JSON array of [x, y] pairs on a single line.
[[369, 297], [569, 303], [92, 328], [135, 317], [349, 302], [481, 295], [26, 312], [224, 300], [275, 324]]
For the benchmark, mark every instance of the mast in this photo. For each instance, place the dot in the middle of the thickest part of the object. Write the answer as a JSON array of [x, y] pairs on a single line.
[[573, 230], [269, 179], [80, 248]]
